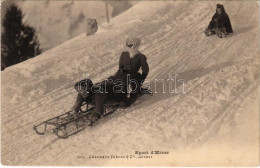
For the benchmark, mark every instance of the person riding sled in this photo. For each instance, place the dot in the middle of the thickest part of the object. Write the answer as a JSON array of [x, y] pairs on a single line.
[[96, 94], [130, 62], [220, 23], [115, 88]]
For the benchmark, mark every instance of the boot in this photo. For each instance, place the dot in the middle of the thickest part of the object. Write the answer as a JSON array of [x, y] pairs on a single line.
[[93, 118]]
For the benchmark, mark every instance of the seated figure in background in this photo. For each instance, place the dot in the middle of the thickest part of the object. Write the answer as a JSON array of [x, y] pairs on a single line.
[[220, 23]]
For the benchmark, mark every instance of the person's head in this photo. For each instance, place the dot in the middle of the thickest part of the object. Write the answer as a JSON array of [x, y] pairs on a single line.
[[84, 87], [133, 44], [220, 9]]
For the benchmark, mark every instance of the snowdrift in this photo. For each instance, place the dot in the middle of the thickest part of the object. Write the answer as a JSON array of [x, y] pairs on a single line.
[[220, 77]]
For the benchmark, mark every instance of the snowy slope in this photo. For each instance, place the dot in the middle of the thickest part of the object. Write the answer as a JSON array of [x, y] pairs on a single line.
[[221, 75], [59, 21]]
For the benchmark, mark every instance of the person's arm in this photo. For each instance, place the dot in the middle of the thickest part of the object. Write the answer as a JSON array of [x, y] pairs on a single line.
[[121, 61], [145, 67], [78, 103], [213, 21]]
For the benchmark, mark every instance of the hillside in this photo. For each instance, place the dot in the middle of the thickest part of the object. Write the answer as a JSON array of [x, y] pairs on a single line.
[[58, 21], [216, 118]]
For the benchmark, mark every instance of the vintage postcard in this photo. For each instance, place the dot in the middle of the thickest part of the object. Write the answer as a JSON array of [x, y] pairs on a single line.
[[129, 83]]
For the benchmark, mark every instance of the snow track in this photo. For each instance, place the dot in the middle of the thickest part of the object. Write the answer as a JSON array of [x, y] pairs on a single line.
[[219, 75]]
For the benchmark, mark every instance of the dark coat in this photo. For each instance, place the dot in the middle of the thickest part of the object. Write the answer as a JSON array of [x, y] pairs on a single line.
[[221, 21], [132, 65]]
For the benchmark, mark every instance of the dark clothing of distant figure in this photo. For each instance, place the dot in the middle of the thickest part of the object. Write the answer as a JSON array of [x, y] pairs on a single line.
[[221, 20]]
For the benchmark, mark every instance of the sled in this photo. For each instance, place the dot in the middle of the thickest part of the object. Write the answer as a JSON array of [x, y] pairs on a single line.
[[219, 32], [60, 123], [69, 123]]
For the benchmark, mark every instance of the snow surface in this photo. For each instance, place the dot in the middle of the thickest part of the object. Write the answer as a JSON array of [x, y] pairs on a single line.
[[221, 76]]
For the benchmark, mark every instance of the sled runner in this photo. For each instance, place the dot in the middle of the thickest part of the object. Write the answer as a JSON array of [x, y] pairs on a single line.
[[69, 123], [60, 123]]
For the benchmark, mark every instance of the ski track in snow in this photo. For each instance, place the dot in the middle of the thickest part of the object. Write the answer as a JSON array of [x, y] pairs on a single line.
[[218, 73]]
